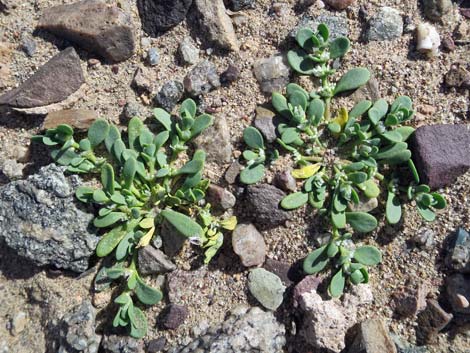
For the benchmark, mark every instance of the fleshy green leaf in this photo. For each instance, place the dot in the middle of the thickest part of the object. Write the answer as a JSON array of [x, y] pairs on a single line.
[[128, 172], [360, 108], [146, 294], [98, 132], [393, 209], [368, 255], [139, 328], [201, 123], [300, 61], [163, 117], [315, 261], [112, 137], [252, 174], [190, 106], [109, 241], [293, 201], [279, 103], [361, 222], [353, 79], [84, 193], [426, 213], [182, 223], [133, 131], [253, 137], [107, 178], [339, 47], [109, 219], [337, 283]]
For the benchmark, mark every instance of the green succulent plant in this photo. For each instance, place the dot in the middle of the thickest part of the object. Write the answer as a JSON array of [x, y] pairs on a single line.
[[145, 183], [341, 161]]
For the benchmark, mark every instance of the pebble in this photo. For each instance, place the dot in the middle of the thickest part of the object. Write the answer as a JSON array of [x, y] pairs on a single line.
[[373, 337], [153, 56], [285, 181], [28, 45], [458, 292], [265, 123], [428, 40], [237, 5], [18, 323], [143, 80], [153, 261], [425, 239], [386, 24], [169, 95], [458, 76], [431, 321], [121, 344], [448, 43], [337, 23], [272, 73], [156, 345], [215, 141], [435, 10], [232, 172], [249, 245], [230, 75], [201, 79], [266, 287], [458, 257], [132, 109], [339, 4], [219, 197], [160, 15], [174, 316], [188, 51], [12, 169], [411, 299]]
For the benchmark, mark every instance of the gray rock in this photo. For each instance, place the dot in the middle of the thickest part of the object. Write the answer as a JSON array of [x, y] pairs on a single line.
[[230, 75], [266, 287], [232, 172], [263, 205], [220, 198], [160, 15], [458, 293], [431, 321], [153, 56], [156, 345], [40, 220], [188, 52], [28, 45], [249, 244], [264, 122], [201, 79], [95, 26], [441, 152], [169, 95], [373, 337], [12, 169], [80, 119], [387, 24], [436, 9], [215, 141], [174, 316], [52, 83], [217, 25], [458, 257], [285, 181], [272, 73], [133, 109], [121, 344], [425, 239], [337, 23], [237, 5], [246, 330], [405, 347], [77, 330], [173, 240], [153, 261], [143, 80]]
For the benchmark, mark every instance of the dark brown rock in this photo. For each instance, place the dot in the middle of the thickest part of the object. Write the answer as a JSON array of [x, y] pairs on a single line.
[[264, 122], [458, 76], [411, 299], [263, 205], [432, 320], [339, 4], [448, 43], [219, 197], [174, 316], [80, 119], [279, 268], [160, 15], [230, 75], [232, 172], [285, 181], [373, 337], [458, 293], [441, 153], [156, 345], [52, 83], [95, 26]]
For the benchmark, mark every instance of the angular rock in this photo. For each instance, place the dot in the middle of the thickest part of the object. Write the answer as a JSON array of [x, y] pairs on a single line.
[[237, 5], [458, 293], [188, 52], [246, 330], [217, 24], [77, 330], [369, 91], [285, 181], [174, 316], [143, 80], [12, 169], [220, 198], [156, 345], [458, 257], [173, 240], [249, 244], [425, 239], [436, 9], [153, 261], [28, 45], [95, 26], [202, 79], [160, 15], [387, 24], [230, 75], [428, 40], [232, 172], [266, 287], [153, 56], [264, 122], [46, 225], [339, 4], [121, 344], [169, 95], [458, 76], [80, 119], [308, 284], [132, 109], [337, 23], [18, 323], [281, 269], [373, 337], [431, 321], [441, 152], [263, 205], [53, 82], [272, 73], [216, 142], [405, 347]]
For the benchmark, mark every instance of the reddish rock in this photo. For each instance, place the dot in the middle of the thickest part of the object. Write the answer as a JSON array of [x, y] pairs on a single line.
[[339, 4], [249, 244], [220, 198], [411, 299], [174, 316], [80, 119], [307, 285], [373, 337], [431, 321]]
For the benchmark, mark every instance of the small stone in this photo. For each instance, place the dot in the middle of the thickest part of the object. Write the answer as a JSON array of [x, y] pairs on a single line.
[[201, 79], [52, 83], [411, 299], [373, 337], [232, 172], [458, 76], [80, 119], [370, 91], [431, 321], [115, 69], [121, 344], [337, 23], [237, 5], [95, 26], [93, 63], [435, 10], [133, 109], [217, 24], [28, 45], [307, 285], [405, 347], [173, 240], [448, 43], [285, 181], [188, 52], [153, 56], [143, 80], [219, 197], [465, 12], [387, 24], [263, 205], [441, 152], [458, 293], [230, 75], [249, 244], [156, 345], [272, 73], [281, 269], [18, 323], [160, 15], [458, 257], [153, 261], [215, 141], [169, 95], [174, 316], [425, 239], [12, 169], [266, 287], [428, 40], [339, 4], [264, 122]]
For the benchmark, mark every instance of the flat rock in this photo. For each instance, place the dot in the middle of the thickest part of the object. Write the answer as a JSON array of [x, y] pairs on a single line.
[[441, 153], [40, 220], [264, 122], [121, 344], [339, 4], [285, 181], [387, 24], [272, 73], [215, 141], [249, 244], [266, 287], [220, 198], [174, 316], [154, 261], [458, 257], [217, 24], [202, 79], [458, 293], [431, 321], [80, 119], [52, 83], [411, 299], [160, 15], [169, 95], [95, 26], [373, 337], [263, 205]]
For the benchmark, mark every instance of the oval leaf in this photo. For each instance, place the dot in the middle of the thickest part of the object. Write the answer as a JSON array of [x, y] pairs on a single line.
[[182, 223], [293, 201], [353, 79], [253, 137], [252, 174], [361, 222], [368, 255]]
